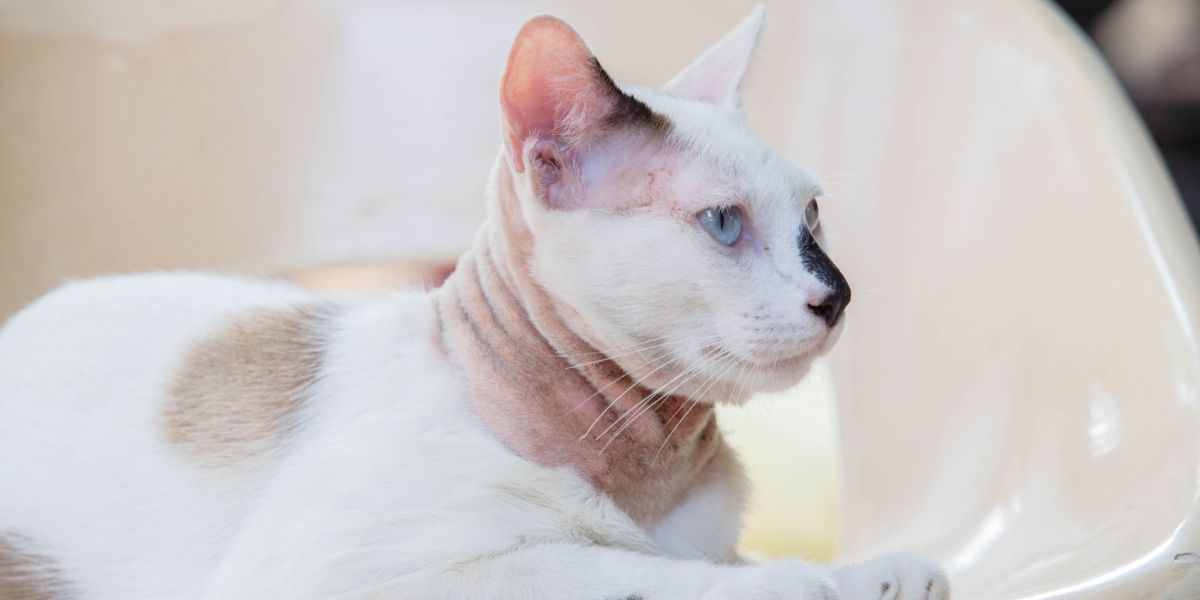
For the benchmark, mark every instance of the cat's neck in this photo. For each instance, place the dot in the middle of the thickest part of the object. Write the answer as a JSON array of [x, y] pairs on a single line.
[[548, 394]]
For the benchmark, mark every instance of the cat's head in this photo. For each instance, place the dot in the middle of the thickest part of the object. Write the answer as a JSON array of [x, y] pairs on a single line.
[[683, 246]]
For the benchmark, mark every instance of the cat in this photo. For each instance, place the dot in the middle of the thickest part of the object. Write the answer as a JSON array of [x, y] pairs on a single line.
[[539, 427]]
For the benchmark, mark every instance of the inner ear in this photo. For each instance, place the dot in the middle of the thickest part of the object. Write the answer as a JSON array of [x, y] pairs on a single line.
[[548, 159], [548, 154], [555, 90]]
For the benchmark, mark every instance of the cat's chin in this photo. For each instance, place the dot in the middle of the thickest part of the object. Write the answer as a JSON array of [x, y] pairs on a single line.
[[765, 377], [776, 374], [779, 375]]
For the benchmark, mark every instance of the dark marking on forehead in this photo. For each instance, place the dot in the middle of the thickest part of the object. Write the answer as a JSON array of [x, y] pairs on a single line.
[[819, 264], [628, 111]]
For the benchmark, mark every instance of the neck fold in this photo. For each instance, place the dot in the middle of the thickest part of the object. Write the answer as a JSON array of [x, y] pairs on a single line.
[[548, 394]]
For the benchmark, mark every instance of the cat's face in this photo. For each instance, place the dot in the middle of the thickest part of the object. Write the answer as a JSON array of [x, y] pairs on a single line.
[[682, 245]]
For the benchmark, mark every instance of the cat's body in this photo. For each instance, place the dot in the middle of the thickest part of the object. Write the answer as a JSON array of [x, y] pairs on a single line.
[[359, 484], [540, 427]]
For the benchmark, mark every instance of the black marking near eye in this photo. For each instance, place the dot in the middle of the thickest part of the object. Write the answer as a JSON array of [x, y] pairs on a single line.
[[818, 263]]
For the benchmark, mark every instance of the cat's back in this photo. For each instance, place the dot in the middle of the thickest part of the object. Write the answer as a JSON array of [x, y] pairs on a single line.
[[119, 396], [126, 331]]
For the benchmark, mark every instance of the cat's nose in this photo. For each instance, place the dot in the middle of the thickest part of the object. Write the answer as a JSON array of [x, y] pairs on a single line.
[[831, 307]]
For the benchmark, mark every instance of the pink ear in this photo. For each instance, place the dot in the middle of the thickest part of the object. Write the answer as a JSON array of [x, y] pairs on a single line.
[[716, 76], [553, 88]]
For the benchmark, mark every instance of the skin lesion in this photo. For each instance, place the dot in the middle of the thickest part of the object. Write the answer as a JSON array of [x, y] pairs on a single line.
[[237, 392]]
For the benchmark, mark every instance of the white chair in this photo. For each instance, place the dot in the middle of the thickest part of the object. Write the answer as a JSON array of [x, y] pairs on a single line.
[[1020, 387]]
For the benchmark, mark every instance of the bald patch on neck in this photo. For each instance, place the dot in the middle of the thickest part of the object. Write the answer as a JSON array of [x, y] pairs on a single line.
[[238, 391], [27, 575]]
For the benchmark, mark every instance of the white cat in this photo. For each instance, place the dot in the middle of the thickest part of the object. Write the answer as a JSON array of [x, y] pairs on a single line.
[[540, 427]]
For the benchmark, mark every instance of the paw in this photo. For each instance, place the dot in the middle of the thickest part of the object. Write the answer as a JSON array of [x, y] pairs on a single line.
[[778, 580], [892, 577]]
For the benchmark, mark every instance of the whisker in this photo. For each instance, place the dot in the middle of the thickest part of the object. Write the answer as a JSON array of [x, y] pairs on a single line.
[[607, 357], [708, 385], [696, 367], [612, 403], [682, 335], [658, 362], [653, 400], [671, 433]]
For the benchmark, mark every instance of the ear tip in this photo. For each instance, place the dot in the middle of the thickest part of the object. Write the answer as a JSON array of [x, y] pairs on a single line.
[[758, 16], [717, 74], [545, 31], [543, 21], [546, 24]]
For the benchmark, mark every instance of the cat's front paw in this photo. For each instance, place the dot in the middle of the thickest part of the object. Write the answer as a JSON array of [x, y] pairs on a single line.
[[777, 580], [892, 577]]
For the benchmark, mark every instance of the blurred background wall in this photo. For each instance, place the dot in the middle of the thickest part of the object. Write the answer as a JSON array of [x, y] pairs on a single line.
[[1153, 47]]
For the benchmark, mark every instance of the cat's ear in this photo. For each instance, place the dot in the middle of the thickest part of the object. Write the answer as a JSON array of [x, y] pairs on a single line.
[[554, 90], [716, 76]]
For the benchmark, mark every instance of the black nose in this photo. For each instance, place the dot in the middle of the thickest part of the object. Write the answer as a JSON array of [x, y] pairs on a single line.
[[832, 306]]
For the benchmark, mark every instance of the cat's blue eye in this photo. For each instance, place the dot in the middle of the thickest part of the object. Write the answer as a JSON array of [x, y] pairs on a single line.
[[724, 223], [812, 215]]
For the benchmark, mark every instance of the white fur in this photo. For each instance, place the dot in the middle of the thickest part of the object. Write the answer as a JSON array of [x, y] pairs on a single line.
[[394, 487], [371, 502]]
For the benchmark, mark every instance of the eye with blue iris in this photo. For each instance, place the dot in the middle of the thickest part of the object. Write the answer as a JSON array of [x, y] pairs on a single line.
[[812, 215], [723, 223]]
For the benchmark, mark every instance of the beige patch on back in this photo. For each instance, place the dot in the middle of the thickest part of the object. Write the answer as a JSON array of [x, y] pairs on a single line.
[[25, 575], [237, 393]]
